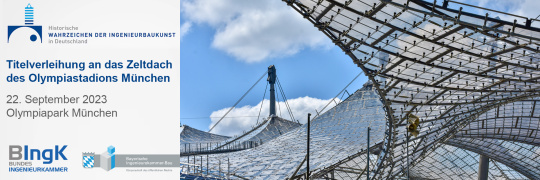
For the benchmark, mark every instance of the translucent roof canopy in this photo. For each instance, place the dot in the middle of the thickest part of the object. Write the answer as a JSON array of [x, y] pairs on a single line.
[[449, 162], [337, 136], [471, 79], [192, 139]]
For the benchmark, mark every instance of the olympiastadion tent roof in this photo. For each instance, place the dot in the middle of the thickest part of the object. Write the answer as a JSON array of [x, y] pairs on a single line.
[[472, 80], [336, 135]]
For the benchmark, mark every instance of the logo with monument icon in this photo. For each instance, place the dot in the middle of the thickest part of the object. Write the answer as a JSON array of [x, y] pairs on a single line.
[[27, 32]]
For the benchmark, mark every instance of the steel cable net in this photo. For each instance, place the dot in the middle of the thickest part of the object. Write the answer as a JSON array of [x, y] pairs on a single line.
[[263, 132], [338, 136], [447, 67], [449, 162], [192, 139]]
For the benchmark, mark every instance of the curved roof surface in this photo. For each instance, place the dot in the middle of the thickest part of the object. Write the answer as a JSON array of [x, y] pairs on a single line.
[[267, 130], [449, 162], [466, 76], [191, 139], [337, 134], [471, 79]]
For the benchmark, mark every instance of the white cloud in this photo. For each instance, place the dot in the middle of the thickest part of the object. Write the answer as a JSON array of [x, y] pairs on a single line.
[[526, 8], [238, 122], [253, 31], [184, 29]]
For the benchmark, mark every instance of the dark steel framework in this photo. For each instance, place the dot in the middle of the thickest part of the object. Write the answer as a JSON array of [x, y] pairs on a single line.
[[472, 79]]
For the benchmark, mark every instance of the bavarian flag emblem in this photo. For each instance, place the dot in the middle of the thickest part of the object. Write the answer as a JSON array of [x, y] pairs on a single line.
[[88, 160]]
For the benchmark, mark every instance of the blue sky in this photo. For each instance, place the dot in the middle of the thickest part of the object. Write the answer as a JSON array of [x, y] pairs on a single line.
[[226, 45], [212, 79]]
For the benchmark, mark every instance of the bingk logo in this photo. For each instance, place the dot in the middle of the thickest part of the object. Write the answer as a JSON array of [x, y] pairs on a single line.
[[28, 32], [17, 152]]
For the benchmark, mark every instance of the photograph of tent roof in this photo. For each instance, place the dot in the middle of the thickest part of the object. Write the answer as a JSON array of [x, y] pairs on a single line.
[[451, 95]]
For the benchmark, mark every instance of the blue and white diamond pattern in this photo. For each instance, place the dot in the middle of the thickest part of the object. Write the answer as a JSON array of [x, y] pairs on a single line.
[[88, 161]]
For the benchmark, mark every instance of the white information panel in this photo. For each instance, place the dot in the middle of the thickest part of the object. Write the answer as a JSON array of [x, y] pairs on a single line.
[[89, 89]]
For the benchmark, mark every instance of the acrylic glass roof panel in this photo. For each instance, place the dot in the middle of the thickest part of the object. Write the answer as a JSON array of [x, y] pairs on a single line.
[[269, 129], [427, 61], [509, 173], [259, 127], [523, 158], [192, 135], [335, 135], [517, 121], [277, 127], [449, 162], [353, 167], [193, 139]]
